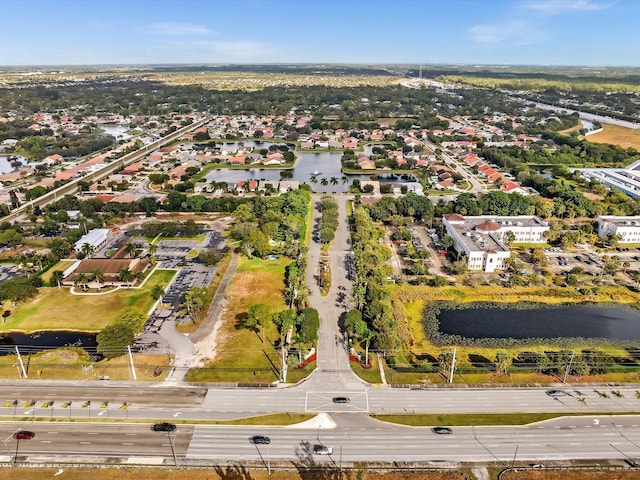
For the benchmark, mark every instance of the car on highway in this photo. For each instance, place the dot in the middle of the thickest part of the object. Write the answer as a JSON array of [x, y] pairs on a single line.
[[260, 440], [23, 435], [163, 427], [442, 430], [322, 450], [556, 393], [340, 400]]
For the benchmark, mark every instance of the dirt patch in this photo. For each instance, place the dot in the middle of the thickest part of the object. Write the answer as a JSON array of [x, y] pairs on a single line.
[[215, 473], [571, 475]]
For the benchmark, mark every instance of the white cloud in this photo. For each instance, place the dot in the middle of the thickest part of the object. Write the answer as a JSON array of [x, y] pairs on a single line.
[[514, 33], [558, 7], [175, 28]]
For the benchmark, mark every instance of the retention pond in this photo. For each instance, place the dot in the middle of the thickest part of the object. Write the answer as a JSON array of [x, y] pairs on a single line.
[[613, 322]]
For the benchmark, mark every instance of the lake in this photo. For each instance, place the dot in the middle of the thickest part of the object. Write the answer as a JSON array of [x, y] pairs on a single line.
[[5, 163], [588, 321], [37, 342], [326, 163], [116, 131]]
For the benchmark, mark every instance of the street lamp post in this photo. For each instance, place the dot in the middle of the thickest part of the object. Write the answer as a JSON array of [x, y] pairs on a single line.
[[341, 446], [173, 451]]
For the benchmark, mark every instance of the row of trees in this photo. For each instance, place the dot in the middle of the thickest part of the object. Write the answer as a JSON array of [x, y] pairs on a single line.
[[329, 218], [370, 295]]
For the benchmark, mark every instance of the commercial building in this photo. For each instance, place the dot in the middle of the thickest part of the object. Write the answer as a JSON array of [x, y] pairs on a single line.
[[95, 238], [627, 228], [482, 238]]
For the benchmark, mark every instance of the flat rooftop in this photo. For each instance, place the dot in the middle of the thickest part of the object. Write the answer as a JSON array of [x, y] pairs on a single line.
[[622, 221]]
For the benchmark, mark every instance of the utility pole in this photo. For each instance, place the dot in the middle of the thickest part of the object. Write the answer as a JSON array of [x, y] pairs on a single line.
[[342, 445], [24, 372], [566, 372], [133, 368], [453, 365]]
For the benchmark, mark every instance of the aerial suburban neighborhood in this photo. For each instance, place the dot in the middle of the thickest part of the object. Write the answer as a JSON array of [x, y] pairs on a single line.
[[231, 258]]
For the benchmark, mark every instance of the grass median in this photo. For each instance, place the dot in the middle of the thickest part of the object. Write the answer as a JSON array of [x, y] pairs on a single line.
[[481, 419]]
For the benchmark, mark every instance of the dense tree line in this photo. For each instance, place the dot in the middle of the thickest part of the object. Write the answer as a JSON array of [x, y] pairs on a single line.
[[370, 295]]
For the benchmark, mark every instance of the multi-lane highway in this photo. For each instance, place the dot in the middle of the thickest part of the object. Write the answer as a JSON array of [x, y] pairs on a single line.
[[360, 439]]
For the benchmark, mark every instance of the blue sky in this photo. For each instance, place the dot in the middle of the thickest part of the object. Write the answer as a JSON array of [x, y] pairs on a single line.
[[541, 32]]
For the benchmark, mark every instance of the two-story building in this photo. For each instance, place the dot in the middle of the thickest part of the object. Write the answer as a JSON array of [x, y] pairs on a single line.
[[627, 228], [482, 239]]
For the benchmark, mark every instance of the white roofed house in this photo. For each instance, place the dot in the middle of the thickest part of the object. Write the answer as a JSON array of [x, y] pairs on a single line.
[[96, 239]]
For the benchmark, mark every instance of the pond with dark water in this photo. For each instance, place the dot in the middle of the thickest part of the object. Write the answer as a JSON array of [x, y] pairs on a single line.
[[587, 321], [40, 341]]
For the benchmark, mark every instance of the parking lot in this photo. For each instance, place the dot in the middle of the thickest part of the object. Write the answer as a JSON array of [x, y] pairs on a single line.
[[171, 254]]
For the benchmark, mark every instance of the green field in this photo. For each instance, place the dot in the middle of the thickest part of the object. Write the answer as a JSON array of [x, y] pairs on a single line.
[[241, 356], [57, 309]]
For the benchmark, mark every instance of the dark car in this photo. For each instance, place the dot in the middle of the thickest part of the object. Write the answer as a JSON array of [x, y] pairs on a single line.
[[163, 427], [260, 440], [556, 393], [340, 400], [23, 435], [442, 430]]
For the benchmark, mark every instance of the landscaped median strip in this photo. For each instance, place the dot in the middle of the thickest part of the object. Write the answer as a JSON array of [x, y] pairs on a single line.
[[484, 419], [275, 419]]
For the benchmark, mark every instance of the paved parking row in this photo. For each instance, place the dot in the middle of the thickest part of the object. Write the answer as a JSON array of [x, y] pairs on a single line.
[[171, 254]]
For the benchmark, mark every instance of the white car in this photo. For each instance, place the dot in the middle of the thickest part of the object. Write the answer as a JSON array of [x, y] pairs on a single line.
[[322, 450]]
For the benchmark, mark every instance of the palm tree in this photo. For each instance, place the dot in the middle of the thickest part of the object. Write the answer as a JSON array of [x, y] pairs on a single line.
[[334, 181], [125, 275], [98, 276], [324, 182], [57, 276], [130, 249], [86, 249], [82, 280], [157, 292], [345, 180], [140, 275], [153, 248], [314, 179]]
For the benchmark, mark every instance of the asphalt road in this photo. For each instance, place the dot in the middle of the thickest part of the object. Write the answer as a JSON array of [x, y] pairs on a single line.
[[366, 440], [588, 437], [94, 440]]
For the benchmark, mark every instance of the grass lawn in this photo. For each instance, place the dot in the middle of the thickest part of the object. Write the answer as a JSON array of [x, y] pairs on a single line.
[[61, 265], [57, 309], [371, 375], [624, 137], [470, 419], [241, 355], [66, 364]]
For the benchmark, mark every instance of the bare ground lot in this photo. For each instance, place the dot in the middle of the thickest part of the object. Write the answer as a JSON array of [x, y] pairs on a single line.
[[624, 137], [240, 473]]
